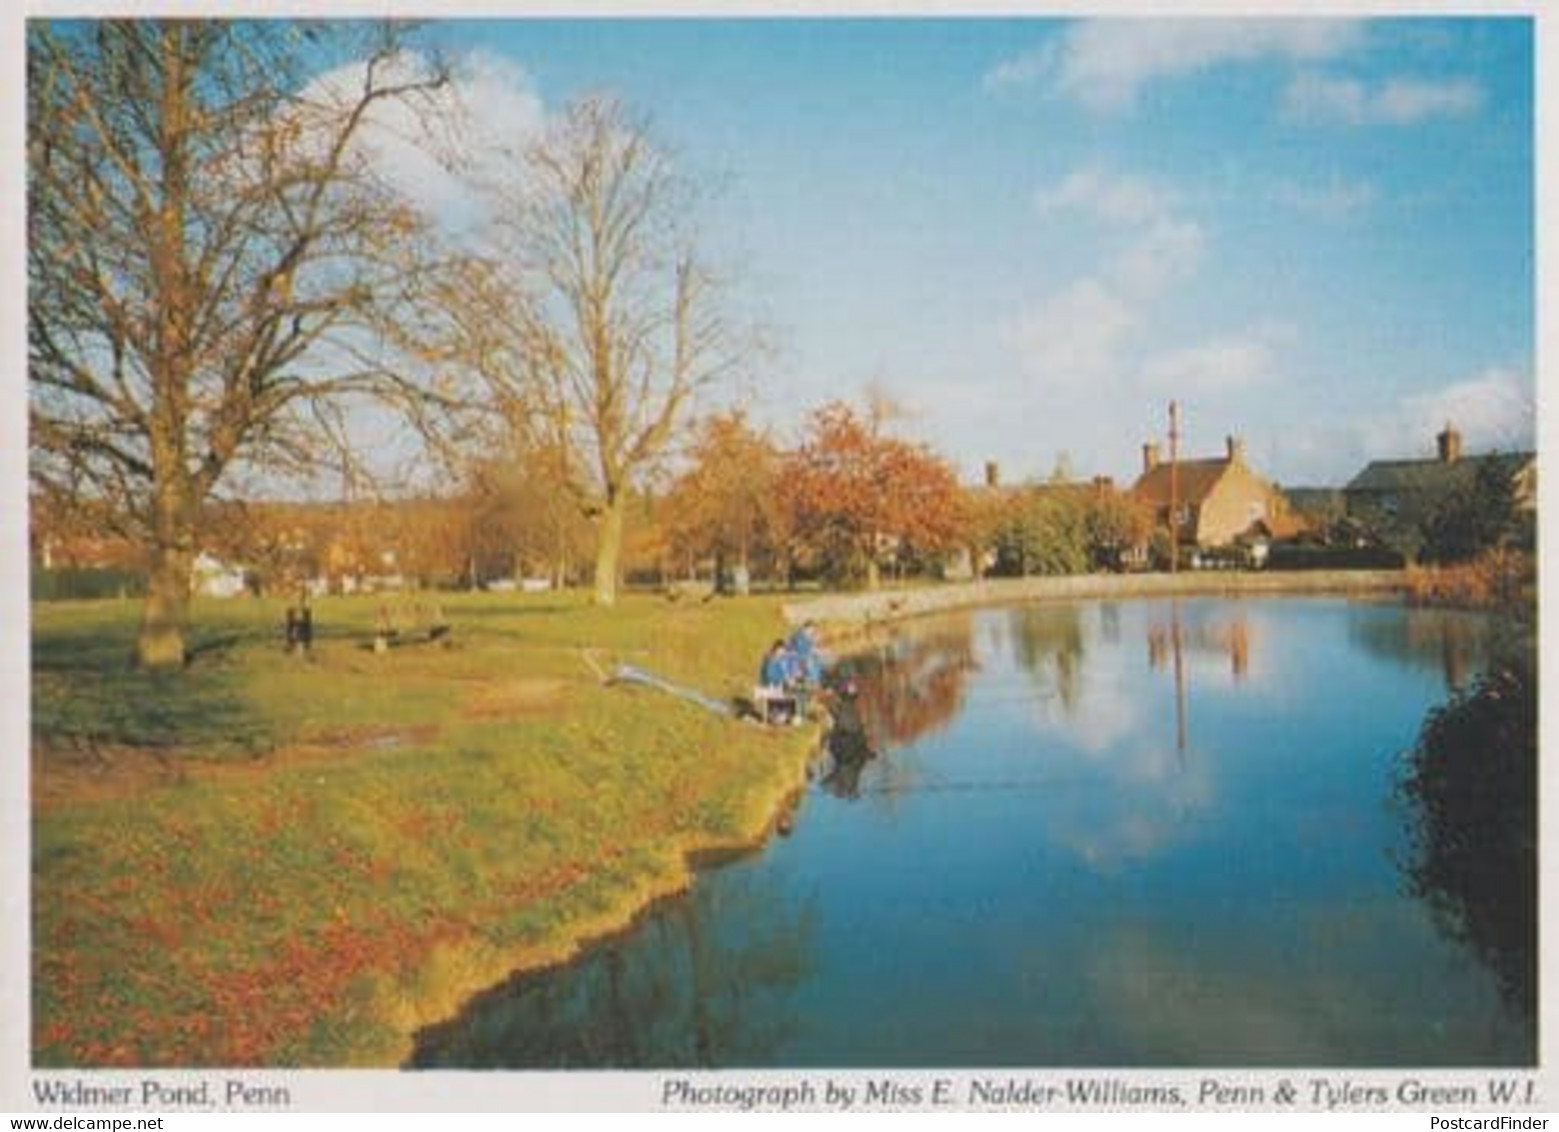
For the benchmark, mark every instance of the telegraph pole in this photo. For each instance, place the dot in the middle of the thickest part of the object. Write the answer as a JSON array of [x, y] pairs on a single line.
[[1174, 492]]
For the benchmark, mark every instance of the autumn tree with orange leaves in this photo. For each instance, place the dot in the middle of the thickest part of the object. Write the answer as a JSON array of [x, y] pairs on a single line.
[[858, 499], [725, 505]]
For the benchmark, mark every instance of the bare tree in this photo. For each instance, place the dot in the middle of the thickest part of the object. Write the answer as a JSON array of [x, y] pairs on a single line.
[[614, 323], [210, 265]]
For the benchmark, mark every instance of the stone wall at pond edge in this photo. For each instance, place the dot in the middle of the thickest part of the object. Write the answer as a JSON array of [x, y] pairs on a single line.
[[891, 605]]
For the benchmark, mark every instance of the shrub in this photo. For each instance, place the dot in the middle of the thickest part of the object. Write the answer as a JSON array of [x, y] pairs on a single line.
[[1293, 556], [86, 584], [1494, 578], [1471, 787]]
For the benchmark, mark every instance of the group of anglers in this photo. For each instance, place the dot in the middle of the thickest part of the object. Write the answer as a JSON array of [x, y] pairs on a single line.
[[790, 676], [791, 673]]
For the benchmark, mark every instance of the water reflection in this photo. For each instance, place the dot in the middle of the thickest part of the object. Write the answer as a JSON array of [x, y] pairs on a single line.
[[1125, 834], [1471, 787], [849, 747], [913, 686], [1048, 645], [1453, 642], [695, 984], [1115, 738], [907, 686], [1168, 643]]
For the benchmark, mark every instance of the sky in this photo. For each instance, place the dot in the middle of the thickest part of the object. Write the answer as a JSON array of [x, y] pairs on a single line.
[[1033, 234]]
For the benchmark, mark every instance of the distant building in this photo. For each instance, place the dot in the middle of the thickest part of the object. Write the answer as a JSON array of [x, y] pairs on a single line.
[[212, 577], [1395, 498], [1316, 507], [1216, 501]]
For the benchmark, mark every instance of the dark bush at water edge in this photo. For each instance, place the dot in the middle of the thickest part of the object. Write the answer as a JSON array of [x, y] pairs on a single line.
[[1471, 786]]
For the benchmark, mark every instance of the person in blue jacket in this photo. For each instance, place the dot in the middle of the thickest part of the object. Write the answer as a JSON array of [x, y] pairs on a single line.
[[777, 668], [808, 660], [776, 676]]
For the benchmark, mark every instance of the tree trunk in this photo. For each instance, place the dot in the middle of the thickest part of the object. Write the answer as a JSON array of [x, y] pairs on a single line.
[[560, 556], [608, 554], [742, 581], [161, 640]]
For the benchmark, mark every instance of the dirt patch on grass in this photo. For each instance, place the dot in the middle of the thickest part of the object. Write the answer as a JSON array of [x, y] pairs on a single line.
[[87, 772], [510, 699]]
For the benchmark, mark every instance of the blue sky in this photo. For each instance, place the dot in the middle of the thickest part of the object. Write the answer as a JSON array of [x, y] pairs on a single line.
[[1034, 233]]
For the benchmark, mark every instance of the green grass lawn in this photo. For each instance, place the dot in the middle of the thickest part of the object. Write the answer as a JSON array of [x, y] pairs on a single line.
[[271, 860]]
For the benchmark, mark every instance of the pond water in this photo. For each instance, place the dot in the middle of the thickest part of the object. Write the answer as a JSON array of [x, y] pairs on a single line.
[[1146, 833]]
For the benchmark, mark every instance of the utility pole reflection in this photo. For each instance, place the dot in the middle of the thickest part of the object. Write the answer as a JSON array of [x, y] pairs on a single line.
[[1178, 645], [1171, 646], [1174, 643]]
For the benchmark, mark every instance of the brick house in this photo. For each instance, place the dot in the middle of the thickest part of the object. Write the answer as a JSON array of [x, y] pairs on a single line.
[[1218, 501]]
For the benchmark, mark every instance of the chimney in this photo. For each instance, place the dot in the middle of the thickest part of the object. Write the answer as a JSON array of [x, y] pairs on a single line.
[[1236, 447], [992, 474], [1450, 443], [1149, 457]]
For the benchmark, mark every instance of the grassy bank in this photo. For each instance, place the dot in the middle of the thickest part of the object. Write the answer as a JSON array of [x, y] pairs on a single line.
[[266, 860]]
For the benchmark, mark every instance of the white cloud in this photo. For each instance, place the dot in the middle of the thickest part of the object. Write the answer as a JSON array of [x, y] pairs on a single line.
[[425, 147], [1335, 200], [1022, 70], [1078, 337], [1167, 252], [1403, 101], [1154, 247], [1074, 337], [1493, 410], [1104, 64], [500, 109], [1121, 198], [1218, 366], [1313, 97]]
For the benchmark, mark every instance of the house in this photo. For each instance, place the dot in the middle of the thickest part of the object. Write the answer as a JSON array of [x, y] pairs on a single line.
[[212, 577], [1396, 497], [1217, 501]]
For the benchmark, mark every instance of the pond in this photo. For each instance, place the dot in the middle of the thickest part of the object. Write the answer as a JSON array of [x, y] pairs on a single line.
[[1142, 833]]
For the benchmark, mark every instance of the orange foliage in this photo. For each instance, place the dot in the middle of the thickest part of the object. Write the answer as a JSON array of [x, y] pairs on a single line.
[[857, 498], [1495, 577], [915, 686], [725, 504]]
